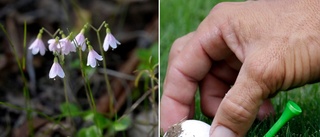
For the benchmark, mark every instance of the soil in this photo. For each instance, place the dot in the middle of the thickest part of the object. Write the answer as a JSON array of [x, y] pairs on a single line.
[[174, 131]]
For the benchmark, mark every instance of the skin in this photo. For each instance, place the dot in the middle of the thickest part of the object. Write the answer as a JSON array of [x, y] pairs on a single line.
[[259, 47]]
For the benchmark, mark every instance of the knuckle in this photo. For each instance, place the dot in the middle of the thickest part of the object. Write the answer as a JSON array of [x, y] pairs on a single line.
[[179, 44], [175, 48], [235, 112], [256, 68], [226, 7], [220, 6], [267, 69]]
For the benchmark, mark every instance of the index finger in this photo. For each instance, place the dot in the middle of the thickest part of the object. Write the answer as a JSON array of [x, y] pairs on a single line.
[[187, 69]]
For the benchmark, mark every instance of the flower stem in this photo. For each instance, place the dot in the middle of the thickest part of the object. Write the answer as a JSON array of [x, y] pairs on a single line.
[[24, 45], [66, 94], [25, 82], [108, 85], [86, 83], [88, 88], [50, 34]]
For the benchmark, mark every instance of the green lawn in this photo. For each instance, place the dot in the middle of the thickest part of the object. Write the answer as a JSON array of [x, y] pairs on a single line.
[[178, 17]]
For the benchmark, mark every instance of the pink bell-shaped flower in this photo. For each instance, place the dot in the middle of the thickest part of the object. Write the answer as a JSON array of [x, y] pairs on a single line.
[[54, 45], [56, 70], [92, 57], [80, 40], [110, 40], [38, 46], [67, 46]]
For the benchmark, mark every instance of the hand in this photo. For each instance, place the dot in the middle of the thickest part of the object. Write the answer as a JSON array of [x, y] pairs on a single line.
[[259, 47]]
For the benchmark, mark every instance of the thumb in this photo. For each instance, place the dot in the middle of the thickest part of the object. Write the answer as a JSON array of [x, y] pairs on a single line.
[[239, 107]]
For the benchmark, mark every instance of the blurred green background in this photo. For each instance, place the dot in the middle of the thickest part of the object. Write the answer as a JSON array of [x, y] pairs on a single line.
[[179, 17]]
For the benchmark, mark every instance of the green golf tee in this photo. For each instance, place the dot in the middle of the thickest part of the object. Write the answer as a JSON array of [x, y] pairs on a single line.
[[291, 110]]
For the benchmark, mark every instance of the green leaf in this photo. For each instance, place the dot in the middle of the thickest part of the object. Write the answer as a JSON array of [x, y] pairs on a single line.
[[75, 63], [89, 116], [69, 109], [148, 57], [92, 131], [101, 121], [89, 71], [122, 124]]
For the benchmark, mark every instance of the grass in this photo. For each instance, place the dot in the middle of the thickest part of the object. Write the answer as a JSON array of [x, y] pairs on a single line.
[[179, 17]]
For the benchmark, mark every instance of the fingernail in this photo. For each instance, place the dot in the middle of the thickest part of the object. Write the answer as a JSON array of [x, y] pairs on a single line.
[[221, 131]]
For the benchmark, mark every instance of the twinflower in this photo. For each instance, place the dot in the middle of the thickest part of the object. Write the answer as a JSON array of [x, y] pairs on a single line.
[[67, 46], [56, 70], [80, 40], [54, 45], [110, 40], [37, 45], [92, 57]]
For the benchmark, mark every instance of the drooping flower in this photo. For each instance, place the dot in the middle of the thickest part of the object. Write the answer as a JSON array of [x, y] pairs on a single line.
[[67, 46], [110, 40], [38, 46], [54, 45], [92, 57], [56, 70], [80, 40]]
